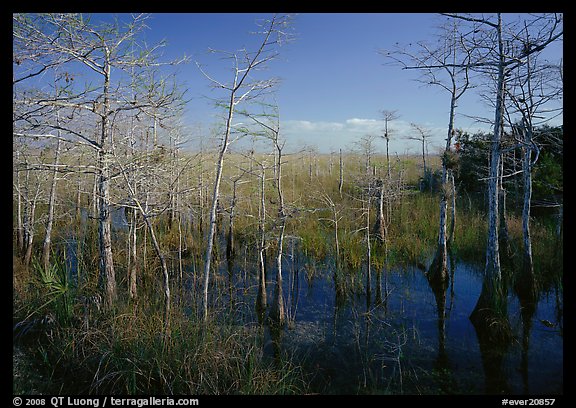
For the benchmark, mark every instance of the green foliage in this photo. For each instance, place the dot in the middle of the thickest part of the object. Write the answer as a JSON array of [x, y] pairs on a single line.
[[547, 176], [473, 160], [55, 288]]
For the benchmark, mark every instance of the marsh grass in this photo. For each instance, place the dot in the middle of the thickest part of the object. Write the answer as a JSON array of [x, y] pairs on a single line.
[[124, 352]]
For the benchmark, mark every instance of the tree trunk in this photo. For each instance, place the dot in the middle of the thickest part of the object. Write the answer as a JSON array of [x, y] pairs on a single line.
[[379, 226], [20, 227], [261, 300], [29, 227], [451, 237], [107, 272], [78, 192], [215, 196], [230, 240], [368, 254], [277, 314], [29, 218], [51, 204], [490, 308], [389, 178], [165, 280], [341, 179], [95, 202], [439, 267], [527, 173], [133, 267]]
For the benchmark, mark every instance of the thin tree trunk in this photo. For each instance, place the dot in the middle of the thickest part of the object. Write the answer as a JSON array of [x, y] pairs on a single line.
[[51, 204], [165, 280], [215, 196], [439, 267], [201, 199], [19, 228], [30, 233], [389, 177], [453, 218], [261, 300], [95, 201], [527, 173], [230, 241], [368, 253], [379, 226], [341, 180], [79, 191], [29, 223], [277, 313], [503, 235], [133, 267]]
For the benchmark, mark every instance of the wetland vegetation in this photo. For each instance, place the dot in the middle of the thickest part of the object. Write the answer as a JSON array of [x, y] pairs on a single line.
[[140, 267]]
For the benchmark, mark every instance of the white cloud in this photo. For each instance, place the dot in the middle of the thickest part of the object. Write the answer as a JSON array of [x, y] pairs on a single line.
[[327, 136]]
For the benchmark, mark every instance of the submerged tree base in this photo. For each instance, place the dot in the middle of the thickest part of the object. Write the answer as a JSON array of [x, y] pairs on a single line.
[[490, 316]]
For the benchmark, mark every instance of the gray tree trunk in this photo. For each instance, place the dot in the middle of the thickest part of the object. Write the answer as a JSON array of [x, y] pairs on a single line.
[[165, 277], [527, 173], [490, 312], [19, 227], [380, 225], [51, 205], [107, 272], [215, 196], [439, 267], [368, 253], [451, 236], [341, 179], [133, 267], [277, 313], [492, 266], [29, 219], [261, 300]]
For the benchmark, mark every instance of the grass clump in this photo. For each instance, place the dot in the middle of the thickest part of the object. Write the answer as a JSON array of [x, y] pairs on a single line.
[[126, 353]]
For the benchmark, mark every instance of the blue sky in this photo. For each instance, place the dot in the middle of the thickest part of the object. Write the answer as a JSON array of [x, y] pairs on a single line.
[[334, 82]]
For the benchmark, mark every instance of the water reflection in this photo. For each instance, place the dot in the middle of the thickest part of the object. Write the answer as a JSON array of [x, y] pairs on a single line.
[[490, 320], [526, 290], [439, 284], [417, 339]]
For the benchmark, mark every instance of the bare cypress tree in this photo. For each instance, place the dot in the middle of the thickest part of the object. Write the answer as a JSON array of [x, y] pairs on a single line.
[[270, 123], [491, 53], [51, 207], [105, 50], [445, 64], [388, 116], [17, 187], [534, 90], [277, 314], [241, 89], [422, 135]]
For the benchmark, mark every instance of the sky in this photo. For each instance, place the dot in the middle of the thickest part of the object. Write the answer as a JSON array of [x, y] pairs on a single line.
[[334, 83]]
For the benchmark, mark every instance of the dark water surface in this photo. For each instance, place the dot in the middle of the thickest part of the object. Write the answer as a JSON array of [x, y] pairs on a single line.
[[400, 346], [353, 345]]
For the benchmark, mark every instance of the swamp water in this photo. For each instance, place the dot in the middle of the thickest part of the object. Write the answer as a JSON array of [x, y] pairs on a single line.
[[350, 345]]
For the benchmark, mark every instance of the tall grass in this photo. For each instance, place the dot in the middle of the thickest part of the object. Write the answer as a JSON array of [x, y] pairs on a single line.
[[123, 351]]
